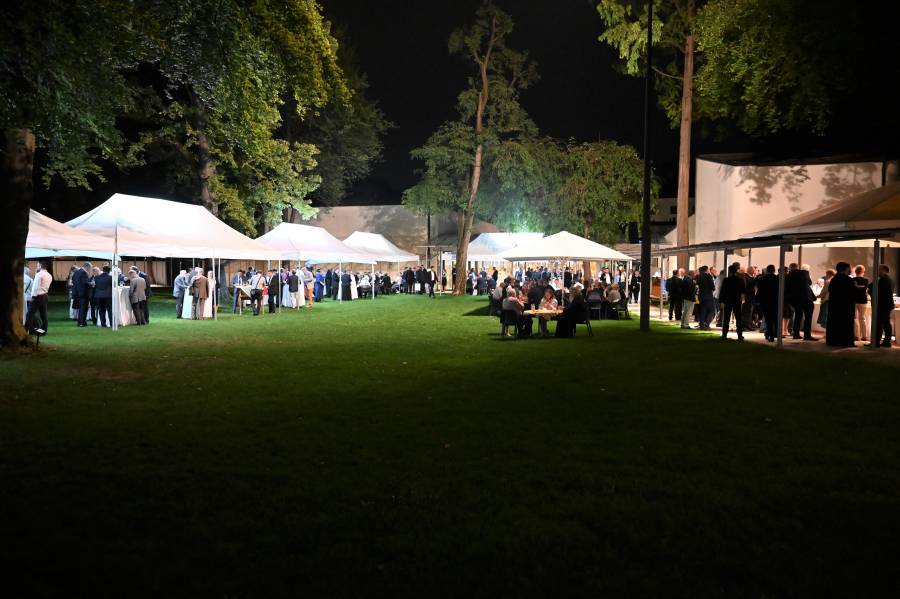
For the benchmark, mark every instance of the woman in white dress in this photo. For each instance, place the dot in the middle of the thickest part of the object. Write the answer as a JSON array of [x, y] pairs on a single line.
[[354, 292]]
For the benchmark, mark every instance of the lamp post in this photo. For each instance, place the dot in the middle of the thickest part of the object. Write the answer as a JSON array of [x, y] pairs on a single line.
[[645, 217]]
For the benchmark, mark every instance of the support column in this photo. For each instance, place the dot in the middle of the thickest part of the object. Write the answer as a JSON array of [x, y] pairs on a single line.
[[873, 325], [780, 310]]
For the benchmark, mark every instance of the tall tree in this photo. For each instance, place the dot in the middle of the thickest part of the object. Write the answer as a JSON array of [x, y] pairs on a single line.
[[489, 113], [674, 24], [228, 67], [63, 76]]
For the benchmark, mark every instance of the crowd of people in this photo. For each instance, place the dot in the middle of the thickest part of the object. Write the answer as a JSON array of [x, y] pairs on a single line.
[[749, 297]]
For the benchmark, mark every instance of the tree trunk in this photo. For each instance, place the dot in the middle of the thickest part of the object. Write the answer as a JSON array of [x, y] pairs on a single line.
[[18, 169], [205, 166], [462, 249], [684, 149]]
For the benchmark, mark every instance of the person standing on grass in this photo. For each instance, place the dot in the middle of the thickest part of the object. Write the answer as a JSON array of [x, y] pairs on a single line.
[[293, 284], [38, 306], [179, 288], [272, 283], [200, 292], [432, 280], [767, 296], [137, 296], [673, 288], [236, 281], [688, 291], [842, 295], [798, 288], [320, 286], [308, 281], [731, 297], [706, 286], [257, 283], [81, 291], [885, 291], [861, 325], [103, 295]]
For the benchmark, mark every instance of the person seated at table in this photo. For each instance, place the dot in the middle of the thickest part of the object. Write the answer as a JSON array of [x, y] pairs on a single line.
[[548, 302], [514, 304], [575, 312]]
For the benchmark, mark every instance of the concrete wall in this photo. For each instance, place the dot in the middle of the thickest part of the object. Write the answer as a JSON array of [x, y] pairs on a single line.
[[735, 200]]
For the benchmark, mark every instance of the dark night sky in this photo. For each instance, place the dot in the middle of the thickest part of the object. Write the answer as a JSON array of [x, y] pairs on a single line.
[[402, 46]]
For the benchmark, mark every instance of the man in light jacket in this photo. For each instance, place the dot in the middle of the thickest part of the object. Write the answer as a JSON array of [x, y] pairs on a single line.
[[179, 288]]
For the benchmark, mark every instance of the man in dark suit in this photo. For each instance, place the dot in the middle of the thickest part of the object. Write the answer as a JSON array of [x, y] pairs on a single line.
[[885, 291], [328, 281], [731, 296], [274, 284], [767, 297], [335, 284], [81, 291], [567, 278], [799, 294], [673, 287], [103, 296], [706, 286], [346, 282]]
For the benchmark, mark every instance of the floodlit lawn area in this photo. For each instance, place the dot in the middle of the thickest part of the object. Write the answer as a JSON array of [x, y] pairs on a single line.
[[400, 447]]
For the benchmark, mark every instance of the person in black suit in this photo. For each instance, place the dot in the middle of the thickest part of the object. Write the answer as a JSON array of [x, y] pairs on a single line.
[[328, 282], [103, 296], [574, 313], [731, 296], [706, 287], [799, 294], [567, 278], [885, 292], [274, 283], [767, 297], [346, 282], [335, 284], [673, 287], [841, 307], [81, 291]]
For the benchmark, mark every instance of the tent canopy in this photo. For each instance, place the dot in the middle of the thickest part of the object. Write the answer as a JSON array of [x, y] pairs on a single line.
[[305, 242], [47, 237], [378, 246], [162, 228], [487, 247], [562, 246], [874, 210]]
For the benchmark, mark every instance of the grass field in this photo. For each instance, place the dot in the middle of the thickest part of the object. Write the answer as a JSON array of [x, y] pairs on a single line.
[[401, 448]]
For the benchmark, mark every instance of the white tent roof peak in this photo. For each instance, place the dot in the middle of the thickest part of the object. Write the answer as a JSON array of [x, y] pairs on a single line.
[[379, 246], [306, 242], [562, 246], [163, 228]]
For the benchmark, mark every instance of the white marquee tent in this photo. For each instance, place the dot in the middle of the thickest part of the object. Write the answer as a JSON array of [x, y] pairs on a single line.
[[562, 246], [378, 246], [162, 228], [47, 237]]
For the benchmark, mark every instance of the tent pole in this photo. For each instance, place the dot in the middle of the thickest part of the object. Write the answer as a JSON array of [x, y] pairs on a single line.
[[663, 267], [779, 316], [372, 282], [340, 281], [215, 304], [875, 331], [114, 324]]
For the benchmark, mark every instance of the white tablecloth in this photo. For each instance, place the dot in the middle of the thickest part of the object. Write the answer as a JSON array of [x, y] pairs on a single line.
[[188, 306], [124, 314], [286, 297]]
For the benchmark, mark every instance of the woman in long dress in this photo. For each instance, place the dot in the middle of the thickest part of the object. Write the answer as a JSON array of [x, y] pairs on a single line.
[[354, 292]]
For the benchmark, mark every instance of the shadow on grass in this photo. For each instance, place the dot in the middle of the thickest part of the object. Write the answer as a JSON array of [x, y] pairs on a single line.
[[482, 311]]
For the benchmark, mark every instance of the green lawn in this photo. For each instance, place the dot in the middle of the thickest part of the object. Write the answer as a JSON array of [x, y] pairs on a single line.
[[401, 448]]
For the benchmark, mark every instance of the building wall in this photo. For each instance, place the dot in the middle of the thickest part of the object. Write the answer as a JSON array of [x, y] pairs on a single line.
[[735, 200]]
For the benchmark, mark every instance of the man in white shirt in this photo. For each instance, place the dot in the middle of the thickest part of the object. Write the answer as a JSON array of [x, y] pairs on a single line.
[[257, 283], [40, 287]]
